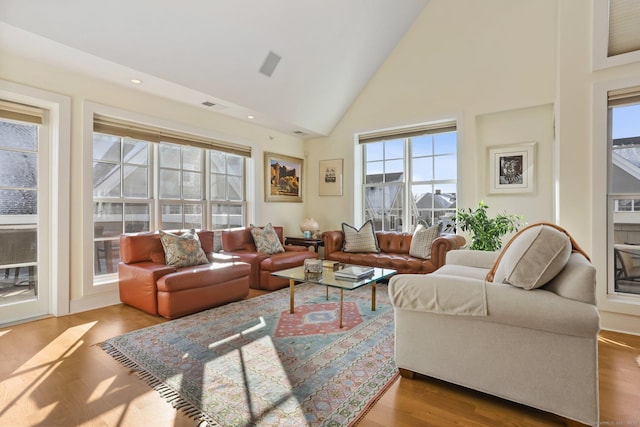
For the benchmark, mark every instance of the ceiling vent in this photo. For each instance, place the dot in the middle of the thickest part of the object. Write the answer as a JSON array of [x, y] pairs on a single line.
[[270, 63], [208, 104], [299, 132]]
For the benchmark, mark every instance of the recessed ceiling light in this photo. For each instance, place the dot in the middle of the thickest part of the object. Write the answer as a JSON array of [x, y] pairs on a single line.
[[251, 117], [136, 81]]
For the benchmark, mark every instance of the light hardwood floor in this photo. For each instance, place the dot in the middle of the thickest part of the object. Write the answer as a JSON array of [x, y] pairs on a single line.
[[53, 373]]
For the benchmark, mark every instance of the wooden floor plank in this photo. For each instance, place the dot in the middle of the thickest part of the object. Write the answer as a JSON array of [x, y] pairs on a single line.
[[53, 373]]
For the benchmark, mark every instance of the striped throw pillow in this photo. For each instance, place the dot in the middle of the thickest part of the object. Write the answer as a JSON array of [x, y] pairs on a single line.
[[360, 240], [422, 239]]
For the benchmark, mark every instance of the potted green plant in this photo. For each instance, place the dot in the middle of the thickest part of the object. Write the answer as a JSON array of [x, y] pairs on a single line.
[[486, 233]]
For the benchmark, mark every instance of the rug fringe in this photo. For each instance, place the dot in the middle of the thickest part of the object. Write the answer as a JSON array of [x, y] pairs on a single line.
[[167, 393]]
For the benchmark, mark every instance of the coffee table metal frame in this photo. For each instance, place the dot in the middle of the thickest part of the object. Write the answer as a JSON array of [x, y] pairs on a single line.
[[328, 278]]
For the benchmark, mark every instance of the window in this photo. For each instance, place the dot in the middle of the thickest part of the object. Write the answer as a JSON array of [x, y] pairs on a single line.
[[624, 187], [409, 176], [199, 184], [18, 210]]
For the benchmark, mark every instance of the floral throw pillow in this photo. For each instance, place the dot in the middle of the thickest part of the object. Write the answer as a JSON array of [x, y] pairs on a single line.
[[266, 239], [184, 250]]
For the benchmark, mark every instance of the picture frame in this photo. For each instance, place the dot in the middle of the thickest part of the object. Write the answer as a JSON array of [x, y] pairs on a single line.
[[511, 168], [283, 178], [330, 177]]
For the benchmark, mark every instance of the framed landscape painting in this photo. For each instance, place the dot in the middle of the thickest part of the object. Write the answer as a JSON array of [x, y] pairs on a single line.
[[511, 168], [283, 178], [330, 179]]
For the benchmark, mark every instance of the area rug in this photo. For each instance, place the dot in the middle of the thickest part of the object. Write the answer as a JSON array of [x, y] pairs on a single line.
[[252, 363]]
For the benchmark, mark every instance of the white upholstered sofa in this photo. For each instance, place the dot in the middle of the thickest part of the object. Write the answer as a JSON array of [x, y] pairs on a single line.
[[530, 336]]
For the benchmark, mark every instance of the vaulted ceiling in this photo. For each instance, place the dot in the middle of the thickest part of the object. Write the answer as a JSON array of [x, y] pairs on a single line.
[[321, 54]]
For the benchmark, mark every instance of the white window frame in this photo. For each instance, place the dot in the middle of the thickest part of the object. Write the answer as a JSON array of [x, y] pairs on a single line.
[[359, 158], [105, 288], [601, 58], [602, 256]]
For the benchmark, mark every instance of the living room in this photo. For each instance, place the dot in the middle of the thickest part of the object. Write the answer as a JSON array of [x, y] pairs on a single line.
[[506, 72]]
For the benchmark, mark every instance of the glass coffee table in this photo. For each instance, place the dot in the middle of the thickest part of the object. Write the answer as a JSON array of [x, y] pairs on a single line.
[[328, 278]]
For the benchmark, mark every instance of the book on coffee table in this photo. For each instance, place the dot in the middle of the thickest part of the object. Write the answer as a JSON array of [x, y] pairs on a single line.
[[354, 272]]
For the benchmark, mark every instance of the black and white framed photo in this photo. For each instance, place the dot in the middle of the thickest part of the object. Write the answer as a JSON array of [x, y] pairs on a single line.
[[330, 179], [511, 168]]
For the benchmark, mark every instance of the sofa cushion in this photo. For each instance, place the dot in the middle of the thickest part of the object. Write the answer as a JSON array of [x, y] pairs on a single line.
[[423, 237], [362, 240], [184, 250], [533, 257], [266, 239]]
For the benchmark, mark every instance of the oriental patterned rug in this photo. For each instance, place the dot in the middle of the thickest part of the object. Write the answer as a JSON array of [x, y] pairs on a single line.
[[252, 363]]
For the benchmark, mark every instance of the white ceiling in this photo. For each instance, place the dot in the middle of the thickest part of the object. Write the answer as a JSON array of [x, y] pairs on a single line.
[[211, 50]]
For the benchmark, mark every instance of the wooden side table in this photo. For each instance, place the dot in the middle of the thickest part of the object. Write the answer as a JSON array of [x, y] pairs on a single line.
[[301, 241]]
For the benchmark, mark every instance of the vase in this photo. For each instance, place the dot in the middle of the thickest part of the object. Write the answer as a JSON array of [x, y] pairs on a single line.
[[309, 224]]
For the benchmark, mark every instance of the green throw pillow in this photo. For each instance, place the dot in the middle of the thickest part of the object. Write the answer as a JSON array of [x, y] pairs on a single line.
[[183, 250], [266, 239], [361, 240]]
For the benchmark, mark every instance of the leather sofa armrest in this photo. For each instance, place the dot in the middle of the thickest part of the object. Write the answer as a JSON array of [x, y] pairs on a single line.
[[333, 241], [293, 248], [137, 284], [442, 245]]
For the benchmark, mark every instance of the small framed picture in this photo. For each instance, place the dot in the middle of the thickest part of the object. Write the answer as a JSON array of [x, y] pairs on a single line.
[[330, 179], [511, 168]]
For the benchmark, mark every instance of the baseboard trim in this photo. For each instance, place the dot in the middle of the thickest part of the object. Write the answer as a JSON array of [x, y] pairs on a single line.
[[618, 322], [92, 302]]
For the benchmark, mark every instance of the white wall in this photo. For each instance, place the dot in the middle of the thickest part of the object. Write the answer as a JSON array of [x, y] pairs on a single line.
[[462, 58], [515, 71], [85, 91]]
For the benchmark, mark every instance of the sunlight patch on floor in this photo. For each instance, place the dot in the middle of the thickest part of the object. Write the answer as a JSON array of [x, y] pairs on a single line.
[[613, 342]]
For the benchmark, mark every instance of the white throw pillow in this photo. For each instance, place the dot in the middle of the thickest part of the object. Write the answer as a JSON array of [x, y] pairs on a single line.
[[533, 257], [361, 240], [423, 237]]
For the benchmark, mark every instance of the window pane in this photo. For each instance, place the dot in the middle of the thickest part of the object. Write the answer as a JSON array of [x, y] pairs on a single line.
[[374, 172], [235, 188], [235, 165], [18, 202], [193, 216], [18, 135], [106, 147], [218, 162], [374, 151], [107, 219], [393, 171], [19, 169], [136, 152], [394, 149], [169, 155], [171, 216], [107, 256], [445, 143], [191, 158], [422, 145], [625, 156], [192, 186], [422, 169], [135, 182], [106, 180], [169, 184], [136, 217], [218, 187], [384, 205], [446, 167], [18, 246]]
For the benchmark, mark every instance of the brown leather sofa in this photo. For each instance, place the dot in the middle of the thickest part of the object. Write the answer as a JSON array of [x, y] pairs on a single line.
[[147, 283], [394, 251], [240, 243]]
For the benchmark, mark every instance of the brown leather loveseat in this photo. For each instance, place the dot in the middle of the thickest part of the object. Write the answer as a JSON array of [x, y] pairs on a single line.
[[240, 243], [394, 251], [147, 283]]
